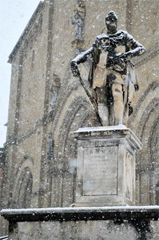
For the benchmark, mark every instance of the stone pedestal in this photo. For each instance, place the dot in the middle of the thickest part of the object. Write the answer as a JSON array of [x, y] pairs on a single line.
[[106, 166]]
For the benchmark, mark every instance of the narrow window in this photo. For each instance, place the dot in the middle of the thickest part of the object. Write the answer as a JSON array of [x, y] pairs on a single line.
[[33, 59], [40, 23]]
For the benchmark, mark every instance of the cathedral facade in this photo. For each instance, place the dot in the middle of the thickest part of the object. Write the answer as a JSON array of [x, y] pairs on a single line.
[[47, 103]]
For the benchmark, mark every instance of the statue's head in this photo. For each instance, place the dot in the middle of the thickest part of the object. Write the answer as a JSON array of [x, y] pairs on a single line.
[[111, 22]]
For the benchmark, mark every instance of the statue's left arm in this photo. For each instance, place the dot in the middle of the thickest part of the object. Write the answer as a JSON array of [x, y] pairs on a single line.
[[133, 47]]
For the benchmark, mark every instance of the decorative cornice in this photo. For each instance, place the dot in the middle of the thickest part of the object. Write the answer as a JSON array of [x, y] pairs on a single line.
[[82, 213], [25, 32]]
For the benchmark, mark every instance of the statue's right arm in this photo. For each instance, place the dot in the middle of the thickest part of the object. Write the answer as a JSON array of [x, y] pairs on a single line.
[[81, 58]]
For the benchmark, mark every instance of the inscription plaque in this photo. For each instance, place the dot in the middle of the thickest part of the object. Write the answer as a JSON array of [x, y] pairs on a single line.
[[106, 166], [100, 171]]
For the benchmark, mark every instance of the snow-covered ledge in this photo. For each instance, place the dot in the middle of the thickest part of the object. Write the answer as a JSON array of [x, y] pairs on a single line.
[[117, 223], [108, 130], [81, 213]]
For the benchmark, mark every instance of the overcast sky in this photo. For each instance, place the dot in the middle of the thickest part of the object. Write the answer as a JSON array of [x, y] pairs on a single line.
[[14, 16]]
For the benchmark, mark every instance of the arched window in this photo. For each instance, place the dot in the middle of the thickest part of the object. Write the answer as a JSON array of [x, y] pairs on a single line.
[[24, 189]]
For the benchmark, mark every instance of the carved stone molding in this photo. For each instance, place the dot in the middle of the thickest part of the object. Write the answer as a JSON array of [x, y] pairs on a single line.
[[147, 160], [150, 88], [154, 142], [149, 54], [146, 116], [66, 150], [44, 159], [23, 190]]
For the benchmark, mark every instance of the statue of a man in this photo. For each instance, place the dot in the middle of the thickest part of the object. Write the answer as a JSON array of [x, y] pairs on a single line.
[[112, 76], [79, 24]]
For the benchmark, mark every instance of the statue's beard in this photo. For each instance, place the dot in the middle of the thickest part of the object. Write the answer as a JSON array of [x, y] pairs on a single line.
[[112, 28]]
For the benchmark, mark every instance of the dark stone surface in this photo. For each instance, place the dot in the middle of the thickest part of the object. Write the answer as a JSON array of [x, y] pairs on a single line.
[[135, 222], [82, 213]]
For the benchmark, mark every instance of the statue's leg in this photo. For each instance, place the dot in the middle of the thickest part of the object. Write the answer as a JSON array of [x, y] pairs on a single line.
[[117, 93], [126, 107], [102, 105]]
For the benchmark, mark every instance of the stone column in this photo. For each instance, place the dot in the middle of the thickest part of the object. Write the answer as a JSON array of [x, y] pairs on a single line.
[[106, 166]]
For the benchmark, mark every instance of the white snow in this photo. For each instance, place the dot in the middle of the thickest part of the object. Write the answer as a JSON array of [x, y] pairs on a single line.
[[101, 129], [78, 209]]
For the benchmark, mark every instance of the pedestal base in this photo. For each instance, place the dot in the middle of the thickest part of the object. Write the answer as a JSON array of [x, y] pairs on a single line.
[[117, 223], [106, 166]]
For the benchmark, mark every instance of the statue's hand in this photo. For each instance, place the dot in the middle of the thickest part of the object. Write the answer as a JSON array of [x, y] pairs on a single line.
[[74, 68], [124, 56]]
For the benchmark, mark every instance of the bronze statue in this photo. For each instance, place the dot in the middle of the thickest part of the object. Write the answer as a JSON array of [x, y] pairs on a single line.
[[112, 75]]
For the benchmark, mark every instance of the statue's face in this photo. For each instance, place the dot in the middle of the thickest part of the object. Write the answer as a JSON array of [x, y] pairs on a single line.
[[111, 23]]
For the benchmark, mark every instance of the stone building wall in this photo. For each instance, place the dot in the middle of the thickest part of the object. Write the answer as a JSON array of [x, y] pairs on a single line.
[[47, 102], [2, 166]]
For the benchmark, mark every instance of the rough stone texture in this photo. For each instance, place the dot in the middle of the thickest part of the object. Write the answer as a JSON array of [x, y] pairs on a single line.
[[82, 230], [36, 66], [106, 166]]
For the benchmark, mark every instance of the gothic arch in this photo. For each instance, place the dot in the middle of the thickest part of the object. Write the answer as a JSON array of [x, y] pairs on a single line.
[[67, 91], [147, 124], [69, 119], [148, 131], [154, 141], [151, 88], [64, 93], [154, 153], [64, 170], [22, 191]]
